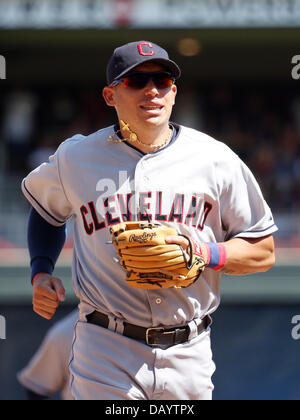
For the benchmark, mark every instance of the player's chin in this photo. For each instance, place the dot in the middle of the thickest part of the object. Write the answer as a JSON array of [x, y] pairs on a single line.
[[155, 119]]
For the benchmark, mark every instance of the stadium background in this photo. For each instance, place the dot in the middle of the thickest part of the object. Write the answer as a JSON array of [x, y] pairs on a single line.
[[237, 86]]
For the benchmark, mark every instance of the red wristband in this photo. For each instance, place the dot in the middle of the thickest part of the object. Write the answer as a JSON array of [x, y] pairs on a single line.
[[222, 257]]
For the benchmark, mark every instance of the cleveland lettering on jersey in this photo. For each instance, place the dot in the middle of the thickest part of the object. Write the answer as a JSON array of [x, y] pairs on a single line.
[[144, 206], [120, 208]]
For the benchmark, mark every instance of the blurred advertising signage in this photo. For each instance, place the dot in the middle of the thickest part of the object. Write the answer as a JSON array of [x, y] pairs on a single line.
[[144, 13]]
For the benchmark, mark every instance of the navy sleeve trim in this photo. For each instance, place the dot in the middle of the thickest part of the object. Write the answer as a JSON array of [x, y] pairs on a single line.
[[258, 231]]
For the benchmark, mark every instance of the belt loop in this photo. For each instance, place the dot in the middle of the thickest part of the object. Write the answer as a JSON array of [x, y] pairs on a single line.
[[119, 326], [112, 324], [193, 326], [115, 324]]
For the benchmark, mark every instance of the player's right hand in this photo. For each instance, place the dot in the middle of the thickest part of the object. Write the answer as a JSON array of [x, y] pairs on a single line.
[[48, 291]]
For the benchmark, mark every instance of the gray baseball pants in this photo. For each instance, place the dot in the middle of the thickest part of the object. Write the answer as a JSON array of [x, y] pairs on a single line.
[[106, 365]]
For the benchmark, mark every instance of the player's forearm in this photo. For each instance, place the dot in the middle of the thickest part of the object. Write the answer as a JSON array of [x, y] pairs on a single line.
[[247, 256], [45, 243], [237, 256]]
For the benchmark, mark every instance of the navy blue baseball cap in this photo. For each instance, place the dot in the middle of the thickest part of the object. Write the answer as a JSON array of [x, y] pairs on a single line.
[[128, 56]]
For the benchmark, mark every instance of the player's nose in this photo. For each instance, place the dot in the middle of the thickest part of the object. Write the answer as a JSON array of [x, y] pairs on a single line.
[[150, 89]]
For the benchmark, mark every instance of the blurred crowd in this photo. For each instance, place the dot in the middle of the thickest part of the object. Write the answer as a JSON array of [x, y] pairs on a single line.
[[262, 125], [34, 123]]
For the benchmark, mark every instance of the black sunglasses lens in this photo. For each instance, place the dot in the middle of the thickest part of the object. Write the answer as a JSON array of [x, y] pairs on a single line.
[[139, 81], [136, 81], [162, 81]]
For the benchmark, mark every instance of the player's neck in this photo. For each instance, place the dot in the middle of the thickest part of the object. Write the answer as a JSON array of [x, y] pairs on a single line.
[[149, 139]]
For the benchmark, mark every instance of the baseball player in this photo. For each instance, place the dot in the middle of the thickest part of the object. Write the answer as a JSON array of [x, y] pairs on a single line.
[[48, 370], [144, 323]]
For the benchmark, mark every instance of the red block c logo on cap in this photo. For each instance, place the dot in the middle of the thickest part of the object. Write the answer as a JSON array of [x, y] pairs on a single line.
[[142, 52]]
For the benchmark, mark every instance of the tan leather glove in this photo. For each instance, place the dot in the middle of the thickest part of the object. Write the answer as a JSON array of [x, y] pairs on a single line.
[[150, 262]]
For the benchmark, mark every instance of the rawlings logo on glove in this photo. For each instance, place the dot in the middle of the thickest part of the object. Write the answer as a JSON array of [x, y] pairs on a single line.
[[149, 261], [142, 238]]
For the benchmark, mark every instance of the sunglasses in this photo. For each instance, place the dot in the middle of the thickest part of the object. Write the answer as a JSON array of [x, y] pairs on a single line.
[[139, 80]]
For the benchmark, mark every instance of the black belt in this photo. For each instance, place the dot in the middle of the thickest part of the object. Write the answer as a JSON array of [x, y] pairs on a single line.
[[156, 336]]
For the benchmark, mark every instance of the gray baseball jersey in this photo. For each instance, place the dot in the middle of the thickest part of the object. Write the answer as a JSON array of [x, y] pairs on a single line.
[[48, 370], [195, 184]]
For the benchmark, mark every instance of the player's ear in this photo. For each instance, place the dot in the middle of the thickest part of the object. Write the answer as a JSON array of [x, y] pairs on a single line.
[[108, 95], [174, 89]]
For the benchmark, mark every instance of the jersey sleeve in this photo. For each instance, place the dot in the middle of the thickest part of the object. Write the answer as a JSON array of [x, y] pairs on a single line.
[[244, 211], [45, 191]]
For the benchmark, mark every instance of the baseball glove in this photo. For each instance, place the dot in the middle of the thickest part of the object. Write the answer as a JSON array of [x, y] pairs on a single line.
[[150, 262]]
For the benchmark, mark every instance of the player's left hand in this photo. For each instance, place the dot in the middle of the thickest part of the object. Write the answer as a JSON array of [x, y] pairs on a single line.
[[179, 240]]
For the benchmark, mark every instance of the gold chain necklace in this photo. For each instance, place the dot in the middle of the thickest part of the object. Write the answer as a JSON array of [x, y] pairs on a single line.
[[134, 139]]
